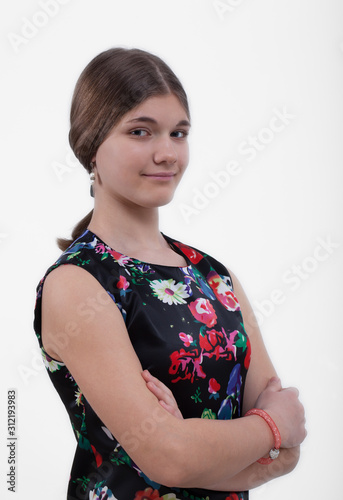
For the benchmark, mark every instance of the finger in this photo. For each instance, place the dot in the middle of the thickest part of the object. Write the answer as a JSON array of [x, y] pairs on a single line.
[[165, 401], [150, 378], [292, 389], [295, 390], [155, 390], [161, 394], [274, 383], [171, 409], [146, 375]]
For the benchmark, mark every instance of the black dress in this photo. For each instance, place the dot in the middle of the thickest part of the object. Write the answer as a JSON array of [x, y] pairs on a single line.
[[186, 327]]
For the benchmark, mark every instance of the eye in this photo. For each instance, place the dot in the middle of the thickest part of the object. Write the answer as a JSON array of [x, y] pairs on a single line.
[[139, 132], [179, 134]]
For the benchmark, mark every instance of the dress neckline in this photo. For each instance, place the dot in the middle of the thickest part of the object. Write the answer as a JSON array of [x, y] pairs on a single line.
[[138, 261]]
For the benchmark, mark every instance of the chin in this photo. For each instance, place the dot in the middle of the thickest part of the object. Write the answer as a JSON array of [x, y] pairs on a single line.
[[158, 202]]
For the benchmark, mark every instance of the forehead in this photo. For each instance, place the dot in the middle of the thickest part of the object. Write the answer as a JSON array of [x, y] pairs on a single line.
[[161, 108]]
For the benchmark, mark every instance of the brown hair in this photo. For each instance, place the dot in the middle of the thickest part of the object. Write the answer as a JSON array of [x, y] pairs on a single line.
[[112, 84]]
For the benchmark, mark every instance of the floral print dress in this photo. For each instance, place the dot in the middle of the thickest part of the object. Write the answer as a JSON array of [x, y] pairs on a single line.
[[186, 327]]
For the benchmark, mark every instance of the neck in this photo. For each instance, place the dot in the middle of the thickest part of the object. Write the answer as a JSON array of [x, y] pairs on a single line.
[[127, 228]]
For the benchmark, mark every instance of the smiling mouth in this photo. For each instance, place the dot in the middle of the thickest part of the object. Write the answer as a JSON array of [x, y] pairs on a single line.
[[161, 175]]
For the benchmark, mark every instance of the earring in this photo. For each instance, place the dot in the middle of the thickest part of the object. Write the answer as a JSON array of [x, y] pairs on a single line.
[[92, 179]]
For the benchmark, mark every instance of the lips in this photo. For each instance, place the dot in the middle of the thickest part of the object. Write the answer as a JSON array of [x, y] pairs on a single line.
[[160, 175]]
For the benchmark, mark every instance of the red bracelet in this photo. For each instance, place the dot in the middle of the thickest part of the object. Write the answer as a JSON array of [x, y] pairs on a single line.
[[274, 452]]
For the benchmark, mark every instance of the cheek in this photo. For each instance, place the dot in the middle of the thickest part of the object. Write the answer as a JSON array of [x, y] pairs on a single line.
[[102, 159], [109, 162], [120, 155], [106, 153], [184, 158]]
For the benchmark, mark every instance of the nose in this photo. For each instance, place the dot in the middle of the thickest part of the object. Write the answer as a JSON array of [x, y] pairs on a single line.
[[165, 152]]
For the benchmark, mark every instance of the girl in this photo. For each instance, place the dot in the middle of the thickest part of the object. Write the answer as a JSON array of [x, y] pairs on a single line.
[[168, 393]]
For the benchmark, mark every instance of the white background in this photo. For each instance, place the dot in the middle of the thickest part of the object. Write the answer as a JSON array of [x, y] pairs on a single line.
[[237, 68]]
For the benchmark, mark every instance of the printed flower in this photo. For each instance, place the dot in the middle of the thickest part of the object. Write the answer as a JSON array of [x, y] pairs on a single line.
[[186, 365], [233, 496], [232, 402], [101, 494], [147, 494], [51, 364], [203, 311], [123, 284], [201, 283], [235, 382], [188, 279], [78, 397], [98, 458], [213, 388], [169, 292], [120, 258], [223, 292], [216, 344], [145, 268], [243, 342], [191, 253], [100, 248], [186, 339], [209, 414]]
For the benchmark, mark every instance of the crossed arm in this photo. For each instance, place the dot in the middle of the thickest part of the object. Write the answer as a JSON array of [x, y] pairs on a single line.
[[180, 452], [252, 476]]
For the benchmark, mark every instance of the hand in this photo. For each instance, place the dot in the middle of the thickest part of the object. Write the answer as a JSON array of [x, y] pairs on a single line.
[[284, 407], [163, 394]]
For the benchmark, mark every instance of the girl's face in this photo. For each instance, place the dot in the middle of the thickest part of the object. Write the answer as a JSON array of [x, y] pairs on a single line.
[[145, 155]]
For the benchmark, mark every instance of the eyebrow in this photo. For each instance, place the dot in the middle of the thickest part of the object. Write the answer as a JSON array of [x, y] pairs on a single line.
[[147, 119]]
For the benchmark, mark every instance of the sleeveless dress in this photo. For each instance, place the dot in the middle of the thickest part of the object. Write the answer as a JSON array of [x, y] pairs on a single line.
[[186, 327]]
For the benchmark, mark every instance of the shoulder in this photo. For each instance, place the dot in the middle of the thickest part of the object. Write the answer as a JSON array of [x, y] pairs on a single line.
[[70, 290], [87, 253], [77, 278], [66, 279], [80, 274], [72, 301]]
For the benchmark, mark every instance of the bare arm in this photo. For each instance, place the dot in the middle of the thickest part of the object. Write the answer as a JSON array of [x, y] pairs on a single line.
[[256, 474], [178, 452]]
